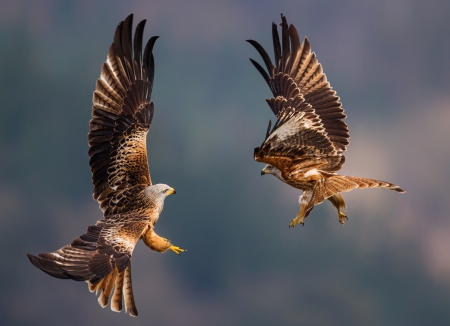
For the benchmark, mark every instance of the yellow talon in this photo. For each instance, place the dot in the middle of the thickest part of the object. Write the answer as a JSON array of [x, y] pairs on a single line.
[[177, 250], [342, 218], [295, 221]]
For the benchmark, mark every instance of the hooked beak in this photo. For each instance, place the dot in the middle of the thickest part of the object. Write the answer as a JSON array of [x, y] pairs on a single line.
[[172, 191], [263, 172]]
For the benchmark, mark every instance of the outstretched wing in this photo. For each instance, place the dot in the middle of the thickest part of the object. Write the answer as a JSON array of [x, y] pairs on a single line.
[[298, 141], [303, 94], [101, 256], [121, 115]]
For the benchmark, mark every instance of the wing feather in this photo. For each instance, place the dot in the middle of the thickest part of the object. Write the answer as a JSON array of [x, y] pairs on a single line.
[[296, 77], [297, 140], [121, 115], [101, 256]]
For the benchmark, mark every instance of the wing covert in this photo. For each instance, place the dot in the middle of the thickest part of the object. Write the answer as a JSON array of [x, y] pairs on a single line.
[[296, 71], [297, 140], [121, 114], [107, 245]]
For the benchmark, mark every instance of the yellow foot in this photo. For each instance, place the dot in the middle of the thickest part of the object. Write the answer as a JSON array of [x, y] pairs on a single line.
[[342, 218], [296, 221], [177, 250]]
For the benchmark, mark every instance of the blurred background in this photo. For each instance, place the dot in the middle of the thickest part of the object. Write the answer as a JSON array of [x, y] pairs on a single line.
[[390, 263]]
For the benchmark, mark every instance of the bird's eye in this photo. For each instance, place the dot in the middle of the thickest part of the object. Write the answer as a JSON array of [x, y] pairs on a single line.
[[165, 190]]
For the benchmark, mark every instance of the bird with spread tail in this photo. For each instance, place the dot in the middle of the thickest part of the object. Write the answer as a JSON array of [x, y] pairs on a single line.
[[305, 146], [121, 116]]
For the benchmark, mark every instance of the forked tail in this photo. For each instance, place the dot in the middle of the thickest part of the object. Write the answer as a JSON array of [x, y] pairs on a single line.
[[342, 183], [335, 184]]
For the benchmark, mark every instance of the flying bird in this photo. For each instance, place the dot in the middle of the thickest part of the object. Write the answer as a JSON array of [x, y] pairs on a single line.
[[305, 146], [121, 117]]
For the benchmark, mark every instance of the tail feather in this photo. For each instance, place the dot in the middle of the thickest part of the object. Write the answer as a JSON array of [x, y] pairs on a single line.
[[116, 301], [335, 184], [114, 284], [92, 287], [128, 293], [347, 183], [99, 286], [107, 287]]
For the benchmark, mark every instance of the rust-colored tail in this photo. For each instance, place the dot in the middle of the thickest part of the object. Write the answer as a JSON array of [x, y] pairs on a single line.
[[335, 184], [128, 293], [116, 300], [331, 187], [120, 282], [342, 183]]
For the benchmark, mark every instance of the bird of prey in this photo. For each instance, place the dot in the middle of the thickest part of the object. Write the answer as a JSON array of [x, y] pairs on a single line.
[[305, 146], [121, 116]]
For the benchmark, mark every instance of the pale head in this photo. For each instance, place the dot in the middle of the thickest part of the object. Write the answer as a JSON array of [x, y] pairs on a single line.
[[270, 169], [159, 191]]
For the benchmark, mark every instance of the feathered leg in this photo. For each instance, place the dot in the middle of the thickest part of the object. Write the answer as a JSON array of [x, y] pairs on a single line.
[[305, 209], [338, 201], [159, 244]]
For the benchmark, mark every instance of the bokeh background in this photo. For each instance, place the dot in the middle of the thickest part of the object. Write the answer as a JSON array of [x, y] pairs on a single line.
[[390, 263]]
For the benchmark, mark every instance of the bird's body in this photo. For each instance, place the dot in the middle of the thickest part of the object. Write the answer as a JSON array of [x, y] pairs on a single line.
[[305, 146], [121, 117]]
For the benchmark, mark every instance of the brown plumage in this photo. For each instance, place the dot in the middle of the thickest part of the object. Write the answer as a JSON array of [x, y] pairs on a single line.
[[305, 146], [121, 116]]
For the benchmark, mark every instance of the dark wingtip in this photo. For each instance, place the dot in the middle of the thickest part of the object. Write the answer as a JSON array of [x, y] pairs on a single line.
[[48, 267], [33, 259], [129, 18], [256, 152]]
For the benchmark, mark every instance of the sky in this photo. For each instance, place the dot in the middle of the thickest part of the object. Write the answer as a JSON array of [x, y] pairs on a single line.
[[389, 264]]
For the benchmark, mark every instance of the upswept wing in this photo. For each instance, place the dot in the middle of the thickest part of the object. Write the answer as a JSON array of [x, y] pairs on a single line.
[[298, 141], [102, 256], [121, 115], [302, 93]]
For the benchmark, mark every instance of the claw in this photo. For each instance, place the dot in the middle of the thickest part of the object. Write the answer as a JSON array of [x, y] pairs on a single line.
[[296, 221], [342, 218], [177, 250]]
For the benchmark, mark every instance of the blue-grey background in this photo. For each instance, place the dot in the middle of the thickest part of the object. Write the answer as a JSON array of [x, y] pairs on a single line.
[[390, 264]]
